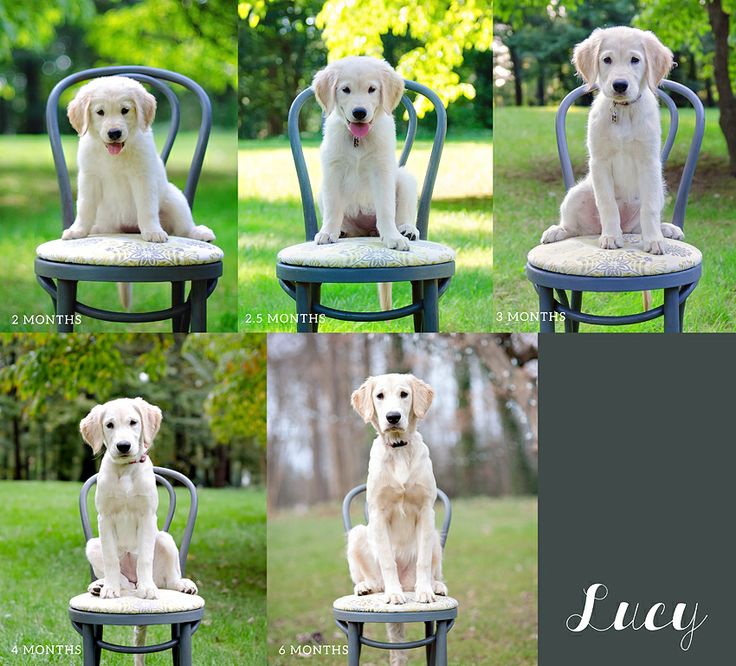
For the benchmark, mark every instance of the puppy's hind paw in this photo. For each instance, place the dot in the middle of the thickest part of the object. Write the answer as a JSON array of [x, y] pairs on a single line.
[[409, 231], [94, 588], [610, 242], [186, 586], [439, 588], [555, 233], [158, 236], [672, 231], [200, 232], [323, 238]]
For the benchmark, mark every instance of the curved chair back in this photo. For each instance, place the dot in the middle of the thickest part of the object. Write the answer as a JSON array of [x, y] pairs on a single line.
[[683, 190], [305, 187], [361, 489], [160, 474], [157, 78]]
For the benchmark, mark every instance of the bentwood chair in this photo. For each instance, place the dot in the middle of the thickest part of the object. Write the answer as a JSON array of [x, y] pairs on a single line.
[[90, 614], [579, 265], [303, 269], [61, 265], [353, 612]]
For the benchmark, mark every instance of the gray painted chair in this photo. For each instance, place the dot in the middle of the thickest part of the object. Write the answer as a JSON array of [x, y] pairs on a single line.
[[437, 622], [301, 277], [678, 277], [60, 278], [184, 623]]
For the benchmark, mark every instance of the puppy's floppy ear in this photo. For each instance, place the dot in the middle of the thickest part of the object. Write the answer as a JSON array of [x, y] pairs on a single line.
[[150, 420], [91, 428], [585, 57], [362, 400], [145, 107], [392, 88], [78, 111], [422, 396], [659, 60], [324, 84]]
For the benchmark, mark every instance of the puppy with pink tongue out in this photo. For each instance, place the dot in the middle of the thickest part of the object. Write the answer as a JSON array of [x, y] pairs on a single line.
[[364, 192]]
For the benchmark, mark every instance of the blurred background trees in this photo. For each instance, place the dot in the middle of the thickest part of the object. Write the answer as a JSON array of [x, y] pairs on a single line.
[[42, 41], [211, 389], [481, 429], [444, 44]]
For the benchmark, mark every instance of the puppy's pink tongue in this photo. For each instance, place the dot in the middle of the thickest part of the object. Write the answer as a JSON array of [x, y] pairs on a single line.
[[359, 130], [114, 148]]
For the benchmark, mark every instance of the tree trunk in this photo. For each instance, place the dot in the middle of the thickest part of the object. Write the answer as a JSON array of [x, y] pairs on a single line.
[[222, 471], [516, 67], [18, 469], [719, 21], [540, 85]]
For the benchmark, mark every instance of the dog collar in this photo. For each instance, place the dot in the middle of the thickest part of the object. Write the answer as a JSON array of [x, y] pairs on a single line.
[[397, 445], [356, 142], [614, 104], [141, 459]]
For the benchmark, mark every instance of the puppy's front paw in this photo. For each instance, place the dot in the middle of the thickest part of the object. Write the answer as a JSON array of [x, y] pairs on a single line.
[[186, 586], [396, 243], [409, 231], [157, 236], [109, 591], [672, 231], [324, 237], [200, 232], [654, 246], [73, 232], [554, 234], [610, 242], [394, 596], [94, 588], [439, 588], [424, 594], [147, 591]]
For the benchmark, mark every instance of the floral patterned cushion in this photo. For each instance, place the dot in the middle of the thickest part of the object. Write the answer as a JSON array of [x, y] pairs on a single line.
[[373, 603], [364, 253], [130, 250], [169, 601], [582, 256]]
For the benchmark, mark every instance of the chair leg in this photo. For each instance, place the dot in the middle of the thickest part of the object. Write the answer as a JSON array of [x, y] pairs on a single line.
[[303, 307], [431, 310], [315, 293], [175, 651], [88, 645], [417, 296], [576, 303], [353, 644], [441, 643], [177, 298], [672, 310], [682, 313], [429, 631], [546, 310], [66, 298], [198, 304], [98, 649], [185, 644]]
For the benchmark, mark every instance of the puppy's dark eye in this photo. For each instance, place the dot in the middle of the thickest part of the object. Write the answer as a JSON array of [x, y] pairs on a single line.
[[607, 60], [372, 89], [634, 60], [109, 426], [346, 90], [379, 396], [404, 394], [133, 422], [124, 110], [100, 112]]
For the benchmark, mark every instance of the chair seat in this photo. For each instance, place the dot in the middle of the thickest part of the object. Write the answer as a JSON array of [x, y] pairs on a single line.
[[582, 256], [130, 250], [373, 603], [169, 601], [365, 253]]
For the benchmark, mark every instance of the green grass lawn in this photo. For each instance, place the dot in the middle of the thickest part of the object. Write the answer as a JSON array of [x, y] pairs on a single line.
[[490, 566], [30, 213], [529, 191], [271, 218], [43, 565]]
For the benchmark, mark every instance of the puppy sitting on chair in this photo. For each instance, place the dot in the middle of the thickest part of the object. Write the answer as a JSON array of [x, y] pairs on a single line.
[[399, 550], [131, 555]]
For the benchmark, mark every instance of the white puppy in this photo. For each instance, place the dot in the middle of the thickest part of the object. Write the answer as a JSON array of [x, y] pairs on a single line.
[[624, 189], [131, 554], [122, 183], [364, 192]]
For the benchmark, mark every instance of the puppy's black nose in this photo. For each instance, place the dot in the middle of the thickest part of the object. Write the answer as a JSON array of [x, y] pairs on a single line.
[[115, 134], [359, 113], [123, 447], [393, 417], [620, 86]]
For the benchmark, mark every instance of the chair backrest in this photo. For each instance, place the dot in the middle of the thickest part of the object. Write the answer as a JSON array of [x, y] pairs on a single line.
[[157, 78], [347, 523], [305, 187], [160, 474], [683, 190]]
